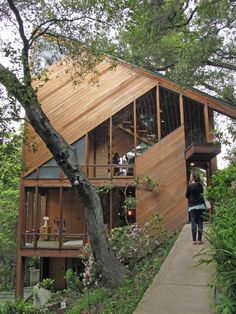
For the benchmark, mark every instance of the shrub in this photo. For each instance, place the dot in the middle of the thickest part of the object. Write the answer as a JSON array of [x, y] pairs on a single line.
[[73, 281], [223, 238], [130, 244], [47, 283], [19, 306]]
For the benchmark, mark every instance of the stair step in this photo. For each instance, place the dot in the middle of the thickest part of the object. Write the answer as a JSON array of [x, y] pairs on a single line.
[[152, 136], [126, 124], [144, 132]]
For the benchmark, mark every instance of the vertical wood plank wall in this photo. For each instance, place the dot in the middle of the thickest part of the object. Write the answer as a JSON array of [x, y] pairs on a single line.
[[165, 164]]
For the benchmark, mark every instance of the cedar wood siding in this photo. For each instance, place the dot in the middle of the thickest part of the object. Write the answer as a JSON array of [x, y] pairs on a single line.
[[75, 110], [165, 164]]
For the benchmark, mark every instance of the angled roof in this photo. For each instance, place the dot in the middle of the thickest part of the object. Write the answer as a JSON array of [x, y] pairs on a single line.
[[76, 110], [215, 103]]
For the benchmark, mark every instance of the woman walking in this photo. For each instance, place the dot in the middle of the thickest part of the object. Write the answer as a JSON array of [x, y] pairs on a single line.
[[196, 206]]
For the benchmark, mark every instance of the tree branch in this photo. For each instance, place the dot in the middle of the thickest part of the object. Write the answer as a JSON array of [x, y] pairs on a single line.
[[220, 64], [210, 87], [185, 23], [20, 23], [25, 50], [38, 32], [163, 68]]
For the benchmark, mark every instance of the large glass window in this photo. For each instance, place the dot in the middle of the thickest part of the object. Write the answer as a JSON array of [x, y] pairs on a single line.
[[98, 156], [50, 169], [194, 122], [169, 111], [123, 142], [146, 116]]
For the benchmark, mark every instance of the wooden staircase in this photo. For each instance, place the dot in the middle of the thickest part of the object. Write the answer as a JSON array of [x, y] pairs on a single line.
[[142, 135]]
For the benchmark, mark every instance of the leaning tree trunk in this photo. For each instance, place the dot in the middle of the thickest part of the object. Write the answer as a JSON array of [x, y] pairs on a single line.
[[108, 264]]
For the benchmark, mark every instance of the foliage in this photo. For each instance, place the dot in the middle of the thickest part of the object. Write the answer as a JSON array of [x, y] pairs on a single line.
[[227, 136], [10, 168], [47, 283], [223, 238], [19, 306], [221, 189], [130, 202], [104, 188], [185, 39], [90, 272], [125, 299], [90, 299], [73, 281], [130, 244], [145, 182]]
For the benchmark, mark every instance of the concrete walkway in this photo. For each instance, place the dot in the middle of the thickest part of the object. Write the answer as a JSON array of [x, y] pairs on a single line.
[[180, 287]]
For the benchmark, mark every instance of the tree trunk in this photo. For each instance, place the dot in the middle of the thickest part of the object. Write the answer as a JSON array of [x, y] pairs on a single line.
[[111, 269]]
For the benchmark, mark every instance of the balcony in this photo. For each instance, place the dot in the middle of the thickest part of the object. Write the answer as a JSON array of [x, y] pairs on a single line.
[[202, 151]]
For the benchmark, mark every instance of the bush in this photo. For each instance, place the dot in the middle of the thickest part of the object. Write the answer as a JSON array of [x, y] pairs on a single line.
[[73, 281], [47, 283], [223, 238], [125, 299], [19, 306], [130, 244]]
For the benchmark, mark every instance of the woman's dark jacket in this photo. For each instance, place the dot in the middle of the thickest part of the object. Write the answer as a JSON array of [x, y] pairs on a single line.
[[194, 194]]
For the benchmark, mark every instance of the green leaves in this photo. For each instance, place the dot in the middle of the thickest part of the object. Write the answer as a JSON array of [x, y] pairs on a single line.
[[223, 238], [190, 41], [10, 168]]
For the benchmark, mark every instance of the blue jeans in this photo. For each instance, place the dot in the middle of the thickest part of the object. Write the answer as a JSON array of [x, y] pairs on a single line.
[[196, 223]]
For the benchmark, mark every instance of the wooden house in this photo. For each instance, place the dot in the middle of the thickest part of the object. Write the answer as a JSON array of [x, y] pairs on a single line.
[[159, 130]]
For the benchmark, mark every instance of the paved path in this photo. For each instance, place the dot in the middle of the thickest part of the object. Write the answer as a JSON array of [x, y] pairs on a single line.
[[180, 287]]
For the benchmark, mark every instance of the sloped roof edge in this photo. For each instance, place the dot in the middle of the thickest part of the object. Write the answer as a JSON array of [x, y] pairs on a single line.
[[158, 75]]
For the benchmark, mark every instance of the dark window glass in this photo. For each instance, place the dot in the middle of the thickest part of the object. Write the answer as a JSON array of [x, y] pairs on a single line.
[[98, 152], [123, 142], [50, 169], [194, 122], [146, 115], [169, 111]]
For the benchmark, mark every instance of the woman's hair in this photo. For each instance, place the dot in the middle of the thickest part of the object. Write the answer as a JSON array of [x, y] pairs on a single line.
[[196, 177]]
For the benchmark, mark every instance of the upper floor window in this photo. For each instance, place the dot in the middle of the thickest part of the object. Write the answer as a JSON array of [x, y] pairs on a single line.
[[50, 170], [169, 111], [194, 122]]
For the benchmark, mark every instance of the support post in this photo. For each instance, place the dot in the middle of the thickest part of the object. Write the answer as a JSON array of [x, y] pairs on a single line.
[[60, 216], [111, 211], [206, 120], [135, 135], [20, 267], [181, 102], [158, 112], [110, 148]]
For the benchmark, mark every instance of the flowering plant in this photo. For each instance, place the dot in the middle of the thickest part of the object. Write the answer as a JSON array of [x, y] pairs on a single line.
[[130, 244]]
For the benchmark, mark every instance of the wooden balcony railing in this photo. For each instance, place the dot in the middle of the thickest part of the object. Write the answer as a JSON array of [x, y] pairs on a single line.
[[53, 240]]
